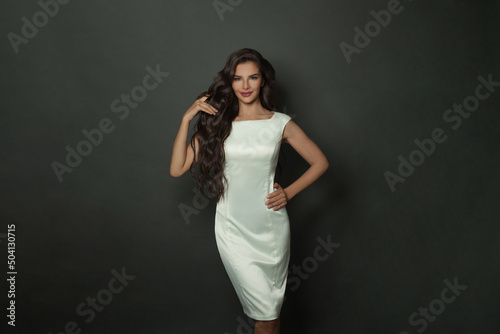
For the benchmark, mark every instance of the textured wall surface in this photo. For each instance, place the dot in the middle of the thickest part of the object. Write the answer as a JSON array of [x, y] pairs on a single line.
[[399, 236]]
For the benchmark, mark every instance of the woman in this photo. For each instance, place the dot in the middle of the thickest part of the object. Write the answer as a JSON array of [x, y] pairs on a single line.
[[237, 143]]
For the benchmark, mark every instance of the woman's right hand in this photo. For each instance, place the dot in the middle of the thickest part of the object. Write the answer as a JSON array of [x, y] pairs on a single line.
[[199, 105]]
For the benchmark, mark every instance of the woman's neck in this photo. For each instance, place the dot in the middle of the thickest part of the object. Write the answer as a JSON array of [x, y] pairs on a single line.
[[251, 110]]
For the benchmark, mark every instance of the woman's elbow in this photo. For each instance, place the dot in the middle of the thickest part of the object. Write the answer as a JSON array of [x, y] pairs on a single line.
[[175, 173], [326, 165]]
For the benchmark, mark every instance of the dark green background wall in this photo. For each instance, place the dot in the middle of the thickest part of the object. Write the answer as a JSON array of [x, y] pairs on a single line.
[[119, 213]]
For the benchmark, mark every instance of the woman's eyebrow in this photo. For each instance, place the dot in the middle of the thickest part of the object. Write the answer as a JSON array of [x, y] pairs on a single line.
[[249, 75]]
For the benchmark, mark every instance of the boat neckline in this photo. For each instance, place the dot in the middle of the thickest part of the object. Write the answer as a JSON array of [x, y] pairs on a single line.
[[253, 120]]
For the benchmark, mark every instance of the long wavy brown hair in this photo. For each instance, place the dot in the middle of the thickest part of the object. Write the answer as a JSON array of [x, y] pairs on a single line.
[[212, 130]]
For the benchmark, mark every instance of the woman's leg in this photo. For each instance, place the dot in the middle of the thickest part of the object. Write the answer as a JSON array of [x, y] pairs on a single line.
[[267, 327]]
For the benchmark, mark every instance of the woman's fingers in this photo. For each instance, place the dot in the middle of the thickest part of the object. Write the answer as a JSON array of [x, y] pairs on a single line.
[[276, 199], [277, 205], [209, 109], [200, 105], [206, 107]]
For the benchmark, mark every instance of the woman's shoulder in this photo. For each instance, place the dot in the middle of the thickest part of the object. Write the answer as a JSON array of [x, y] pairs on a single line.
[[281, 116]]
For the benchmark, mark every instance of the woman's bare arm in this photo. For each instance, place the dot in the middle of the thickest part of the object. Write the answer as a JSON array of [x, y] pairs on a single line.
[[297, 138], [182, 155]]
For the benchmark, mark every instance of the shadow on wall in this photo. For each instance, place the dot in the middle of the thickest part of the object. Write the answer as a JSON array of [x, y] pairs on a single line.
[[313, 243]]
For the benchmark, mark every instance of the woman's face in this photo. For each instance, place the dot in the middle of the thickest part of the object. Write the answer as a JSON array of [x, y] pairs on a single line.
[[247, 82]]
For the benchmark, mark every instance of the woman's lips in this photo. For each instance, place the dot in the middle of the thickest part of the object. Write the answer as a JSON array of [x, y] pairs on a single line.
[[246, 94]]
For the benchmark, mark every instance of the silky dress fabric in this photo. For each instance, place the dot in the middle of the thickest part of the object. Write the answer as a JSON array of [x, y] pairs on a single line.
[[254, 241]]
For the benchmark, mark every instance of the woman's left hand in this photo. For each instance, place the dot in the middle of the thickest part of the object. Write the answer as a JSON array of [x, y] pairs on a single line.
[[277, 198]]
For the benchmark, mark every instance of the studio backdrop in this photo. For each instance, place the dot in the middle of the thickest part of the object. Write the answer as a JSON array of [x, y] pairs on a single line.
[[399, 236]]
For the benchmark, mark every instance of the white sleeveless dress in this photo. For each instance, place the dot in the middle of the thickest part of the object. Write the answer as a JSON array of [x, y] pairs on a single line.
[[254, 241]]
